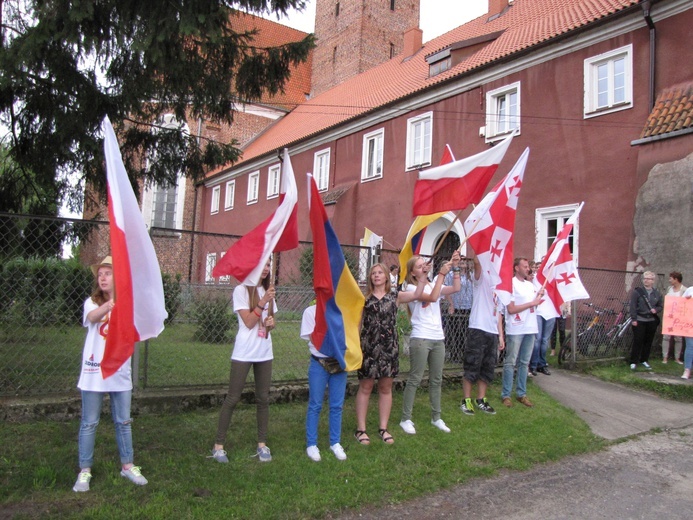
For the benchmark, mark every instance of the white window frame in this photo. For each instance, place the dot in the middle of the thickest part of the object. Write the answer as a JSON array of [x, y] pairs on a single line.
[[378, 139], [321, 169], [216, 194], [419, 141], [226, 279], [210, 263], [592, 105], [542, 218], [150, 191], [497, 125], [230, 195], [273, 179], [253, 187]]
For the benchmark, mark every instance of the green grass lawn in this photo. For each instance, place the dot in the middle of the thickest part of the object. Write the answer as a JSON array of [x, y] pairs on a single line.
[[38, 464], [46, 360], [621, 373]]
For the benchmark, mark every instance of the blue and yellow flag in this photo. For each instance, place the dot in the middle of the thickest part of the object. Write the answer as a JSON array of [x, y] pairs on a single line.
[[339, 300]]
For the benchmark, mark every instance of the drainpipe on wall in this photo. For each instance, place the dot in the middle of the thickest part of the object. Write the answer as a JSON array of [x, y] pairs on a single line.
[[646, 8]]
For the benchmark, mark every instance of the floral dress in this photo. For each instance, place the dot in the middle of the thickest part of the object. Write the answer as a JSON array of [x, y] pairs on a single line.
[[379, 341]]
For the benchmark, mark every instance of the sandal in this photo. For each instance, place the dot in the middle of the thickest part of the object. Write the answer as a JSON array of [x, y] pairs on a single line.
[[362, 437], [385, 436]]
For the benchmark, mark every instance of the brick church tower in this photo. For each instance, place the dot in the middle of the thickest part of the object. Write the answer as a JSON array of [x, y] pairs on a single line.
[[356, 35]]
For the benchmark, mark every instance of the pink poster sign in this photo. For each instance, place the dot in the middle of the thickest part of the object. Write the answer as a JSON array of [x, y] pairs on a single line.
[[678, 316]]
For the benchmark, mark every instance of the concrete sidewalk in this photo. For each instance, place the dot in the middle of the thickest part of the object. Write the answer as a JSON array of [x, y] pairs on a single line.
[[648, 476], [614, 411]]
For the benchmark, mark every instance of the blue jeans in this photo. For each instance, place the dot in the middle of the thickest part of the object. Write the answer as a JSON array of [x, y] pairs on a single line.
[[517, 346], [541, 342], [688, 354], [91, 412], [318, 380]]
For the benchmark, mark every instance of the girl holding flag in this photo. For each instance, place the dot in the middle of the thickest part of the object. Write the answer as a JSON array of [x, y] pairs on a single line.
[[252, 348], [97, 312], [427, 342]]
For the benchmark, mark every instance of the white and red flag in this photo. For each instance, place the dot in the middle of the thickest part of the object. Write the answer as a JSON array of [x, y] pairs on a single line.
[[247, 257], [456, 185], [558, 273], [139, 312], [490, 229]]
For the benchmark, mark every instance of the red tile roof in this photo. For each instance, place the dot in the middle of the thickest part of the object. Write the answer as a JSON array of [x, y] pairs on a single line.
[[273, 34], [672, 111], [525, 24]]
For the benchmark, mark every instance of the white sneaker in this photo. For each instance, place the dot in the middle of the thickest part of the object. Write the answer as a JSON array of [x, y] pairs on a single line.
[[338, 451], [313, 453], [134, 475], [408, 427], [441, 425], [82, 483], [646, 365], [632, 366]]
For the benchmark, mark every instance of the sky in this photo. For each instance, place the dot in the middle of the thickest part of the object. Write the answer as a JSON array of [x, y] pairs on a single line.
[[437, 16]]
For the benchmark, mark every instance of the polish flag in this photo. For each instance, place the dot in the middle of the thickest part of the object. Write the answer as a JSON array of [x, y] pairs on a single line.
[[247, 257], [456, 185], [558, 272], [417, 231], [139, 312], [490, 228]]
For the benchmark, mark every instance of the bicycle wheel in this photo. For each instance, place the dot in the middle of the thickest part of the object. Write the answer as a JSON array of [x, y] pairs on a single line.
[[566, 352]]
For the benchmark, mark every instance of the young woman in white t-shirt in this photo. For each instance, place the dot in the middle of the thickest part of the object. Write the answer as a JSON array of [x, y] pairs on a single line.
[[252, 348], [427, 340], [97, 312]]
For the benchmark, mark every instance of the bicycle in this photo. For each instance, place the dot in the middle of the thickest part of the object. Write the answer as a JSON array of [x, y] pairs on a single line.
[[596, 338]]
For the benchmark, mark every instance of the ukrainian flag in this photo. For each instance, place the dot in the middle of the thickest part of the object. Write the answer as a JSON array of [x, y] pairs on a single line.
[[339, 300]]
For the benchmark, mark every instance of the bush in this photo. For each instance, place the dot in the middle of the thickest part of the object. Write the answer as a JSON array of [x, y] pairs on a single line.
[[214, 320], [43, 291], [172, 292]]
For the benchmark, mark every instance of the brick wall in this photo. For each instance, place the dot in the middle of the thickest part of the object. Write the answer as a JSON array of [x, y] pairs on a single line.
[[358, 38]]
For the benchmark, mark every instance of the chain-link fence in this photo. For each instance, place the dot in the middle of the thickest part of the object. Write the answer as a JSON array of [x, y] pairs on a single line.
[[42, 295], [41, 336], [600, 328]]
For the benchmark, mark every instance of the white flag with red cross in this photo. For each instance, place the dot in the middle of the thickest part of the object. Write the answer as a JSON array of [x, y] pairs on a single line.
[[490, 229]]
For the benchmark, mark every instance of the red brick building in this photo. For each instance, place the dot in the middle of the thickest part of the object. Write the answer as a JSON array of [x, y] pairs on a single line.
[[578, 79]]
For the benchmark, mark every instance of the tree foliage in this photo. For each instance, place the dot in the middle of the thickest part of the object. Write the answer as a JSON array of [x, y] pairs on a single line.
[[65, 64]]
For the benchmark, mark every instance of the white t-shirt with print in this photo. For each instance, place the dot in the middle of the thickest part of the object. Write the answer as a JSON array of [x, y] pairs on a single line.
[[91, 378], [426, 322], [524, 322], [249, 346], [484, 305]]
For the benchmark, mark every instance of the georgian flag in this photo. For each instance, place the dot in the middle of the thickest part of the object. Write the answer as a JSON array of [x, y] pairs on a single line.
[[558, 272], [139, 312], [490, 228]]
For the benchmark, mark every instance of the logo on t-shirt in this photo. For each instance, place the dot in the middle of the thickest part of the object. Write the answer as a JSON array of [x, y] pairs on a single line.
[[90, 365], [103, 328]]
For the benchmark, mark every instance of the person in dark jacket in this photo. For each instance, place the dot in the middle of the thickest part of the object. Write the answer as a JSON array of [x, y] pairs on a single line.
[[646, 303]]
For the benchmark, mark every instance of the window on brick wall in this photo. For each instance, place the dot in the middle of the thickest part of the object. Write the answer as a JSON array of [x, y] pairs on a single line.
[[209, 267], [230, 195], [419, 140], [163, 204], [321, 169], [253, 187], [549, 222], [273, 181], [502, 111], [372, 160], [216, 194], [608, 81]]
